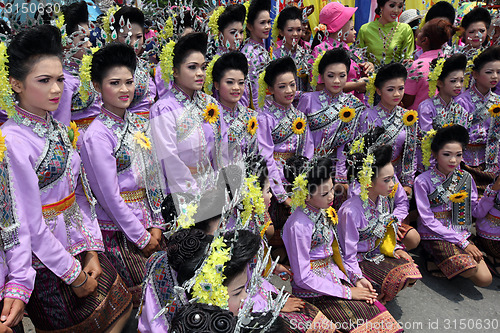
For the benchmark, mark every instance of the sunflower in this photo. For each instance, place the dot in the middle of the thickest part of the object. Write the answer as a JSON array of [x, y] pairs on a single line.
[[459, 197], [494, 110], [73, 133], [142, 140], [211, 113], [252, 126], [410, 117], [347, 114], [299, 126], [3, 147], [332, 214]]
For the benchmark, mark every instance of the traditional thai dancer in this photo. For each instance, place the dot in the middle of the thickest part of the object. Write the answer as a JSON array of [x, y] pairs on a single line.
[[226, 26], [189, 134], [483, 105], [122, 170], [368, 222], [476, 24], [320, 275], [447, 201], [76, 287]]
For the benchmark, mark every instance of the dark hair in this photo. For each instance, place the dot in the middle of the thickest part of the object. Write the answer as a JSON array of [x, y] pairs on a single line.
[[4, 28], [232, 13], [245, 245], [257, 166], [388, 72], [132, 14], [257, 6], [439, 31], [380, 4], [452, 133], [181, 23], [168, 209], [29, 46], [336, 56], [382, 154], [75, 14], [320, 173], [228, 61], [193, 42], [186, 250], [289, 13], [230, 178], [454, 63], [200, 317], [478, 14], [488, 55], [277, 67], [441, 9], [111, 56]]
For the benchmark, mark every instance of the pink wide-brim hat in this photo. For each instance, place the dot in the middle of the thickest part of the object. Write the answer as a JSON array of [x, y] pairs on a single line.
[[335, 15]]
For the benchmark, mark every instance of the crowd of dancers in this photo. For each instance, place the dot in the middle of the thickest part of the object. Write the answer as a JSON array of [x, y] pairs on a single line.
[[172, 160]]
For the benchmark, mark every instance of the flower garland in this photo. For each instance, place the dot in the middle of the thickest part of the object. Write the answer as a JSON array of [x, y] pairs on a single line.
[[262, 89], [357, 146], [252, 199], [167, 31], [299, 126], [208, 84], [299, 192], [73, 133], [85, 76], [347, 114], [3, 147], [252, 126], [186, 220], [332, 214], [315, 70], [275, 31], [426, 148], [371, 89], [211, 113], [434, 76], [208, 287], [410, 117], [6, 93], [167, 62], [247, 5], [213, 21], [108, 21], [494, 110], [365, 176], [142, 140], [60, 24]]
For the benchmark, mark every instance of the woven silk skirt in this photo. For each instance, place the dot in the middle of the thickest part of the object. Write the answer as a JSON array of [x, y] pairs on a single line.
[[451, 259], [54, 307], [389, 276], [490, 246], [309, 319]]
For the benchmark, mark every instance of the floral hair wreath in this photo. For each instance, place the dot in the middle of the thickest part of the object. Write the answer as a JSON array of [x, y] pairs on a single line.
[[315, 70], [434, 76], [167, 62], [6, 92], [262, 89], [426, 147], [85, 76], [213, 21], [366, 173], [208, 84]]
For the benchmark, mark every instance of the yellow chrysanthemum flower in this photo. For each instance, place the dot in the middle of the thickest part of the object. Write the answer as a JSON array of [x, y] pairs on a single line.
[[73, 133], [211, 113], [347, 114], [315, 70], [6, 101], [394, 190], [142, 140], [434, 76], [3, 147], [299, 126], [252, 126], [207, 85], [332, 214], [459, 197], [494, 110], [410, 117], [253, 202], [426, 147], [186, 220], [365, 176], [357, 146], [213, 21], [262, 89], [371, 89], [299, 191], [167, 31], [275, 31], [167, 62], [84, 74]]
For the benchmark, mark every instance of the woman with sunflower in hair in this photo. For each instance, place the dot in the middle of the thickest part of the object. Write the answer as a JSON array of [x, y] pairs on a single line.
[[481, 159], [189, 135], [331, 113], [447, 200]]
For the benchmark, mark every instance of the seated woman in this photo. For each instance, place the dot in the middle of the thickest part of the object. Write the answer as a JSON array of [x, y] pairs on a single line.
[[447, 200], [319, 273], [368, 225]]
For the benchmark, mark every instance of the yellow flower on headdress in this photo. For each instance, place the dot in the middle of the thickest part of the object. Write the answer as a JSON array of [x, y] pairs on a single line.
[[3, 147], [371, 89], [275, 31], [142, 140], [299, 126], [60, 21], [315, 70], [85, 76], [299, 191], [185, 219], [6, 93], [347, 114], [253, 202], [73, 133], [252, 126], [167, 31], [394, 190], [209, 287], [410, 117], [357, 146], [332, 214], [208, 84], [262, 89], [459, 197], [167, 62], [434, 76], [213, 21], [426, 147], [247, 5], [494, 110], [211, 113], [365, 176]]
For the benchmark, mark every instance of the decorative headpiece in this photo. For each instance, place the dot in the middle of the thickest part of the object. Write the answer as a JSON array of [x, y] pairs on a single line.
[[6, 93], [434, 76], [426, 148], [85, 78], [208, 84], [167, 62], [213, 21], [262, 89], [315, 70]]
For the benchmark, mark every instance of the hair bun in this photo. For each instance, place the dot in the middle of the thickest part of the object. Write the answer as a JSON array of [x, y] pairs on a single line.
[[199, 317], [182, 246]]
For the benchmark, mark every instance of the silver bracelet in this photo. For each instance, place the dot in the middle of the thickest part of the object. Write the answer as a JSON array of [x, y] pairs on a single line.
[[85, 281]]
